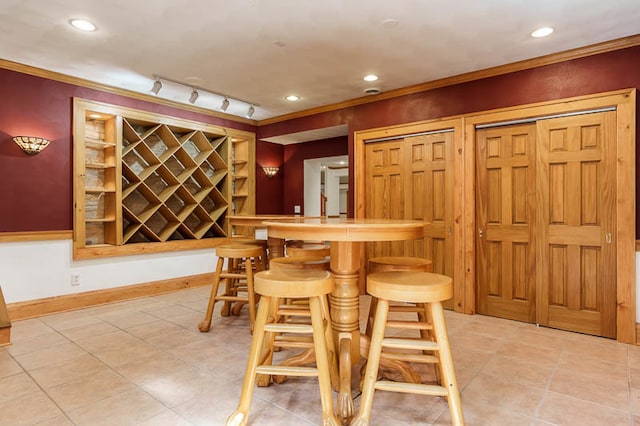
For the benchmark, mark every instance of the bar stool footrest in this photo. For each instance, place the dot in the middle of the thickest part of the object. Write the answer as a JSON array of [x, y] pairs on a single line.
[[420, 345], [418, 358], [433, 390], [283, 370], [289, 328]]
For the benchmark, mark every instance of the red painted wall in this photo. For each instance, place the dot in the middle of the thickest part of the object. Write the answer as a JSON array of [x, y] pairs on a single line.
[[599, 73], [36, 192], [294, 156], [269, 190]]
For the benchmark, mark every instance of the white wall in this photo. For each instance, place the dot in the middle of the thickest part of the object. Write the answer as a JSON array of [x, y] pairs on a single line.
[[34, 270], [312, 185], [332, 189]]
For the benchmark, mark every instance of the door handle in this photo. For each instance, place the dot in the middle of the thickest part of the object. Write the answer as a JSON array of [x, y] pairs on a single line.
[[480, 232], [607, 237]]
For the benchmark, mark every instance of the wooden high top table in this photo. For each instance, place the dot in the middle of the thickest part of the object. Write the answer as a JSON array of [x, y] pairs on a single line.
[[276, 245], [347, 237]]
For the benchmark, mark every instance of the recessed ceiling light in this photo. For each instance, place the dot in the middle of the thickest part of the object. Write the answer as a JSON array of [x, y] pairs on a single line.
[[390, 23], [83, 24], [94, 115], [542, 32], [370, 77], [293, 98]]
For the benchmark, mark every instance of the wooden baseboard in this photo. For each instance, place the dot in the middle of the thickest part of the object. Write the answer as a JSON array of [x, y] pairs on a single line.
[[5, 336], [637, 333], [70, 302]]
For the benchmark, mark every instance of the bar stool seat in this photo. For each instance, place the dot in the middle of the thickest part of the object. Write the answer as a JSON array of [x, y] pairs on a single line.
[[427, 290], [308, 252], [294, 263], [397, 263], [256, 242], [241, 260], [272, 286]]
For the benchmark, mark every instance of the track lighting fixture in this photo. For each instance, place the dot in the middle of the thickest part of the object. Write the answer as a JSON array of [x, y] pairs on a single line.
[[157, 85], [158, 81], [194, 96], [225, 104]]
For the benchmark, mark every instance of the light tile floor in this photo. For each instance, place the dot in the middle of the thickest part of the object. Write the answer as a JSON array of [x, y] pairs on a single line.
[[143, 362]]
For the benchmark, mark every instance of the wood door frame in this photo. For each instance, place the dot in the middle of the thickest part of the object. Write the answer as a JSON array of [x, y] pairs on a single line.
[[464, 187], [625, 102], [455, 123]]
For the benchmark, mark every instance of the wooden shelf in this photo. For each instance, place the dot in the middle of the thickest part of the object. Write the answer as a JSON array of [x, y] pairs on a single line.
[[97, 189], [155, 178], [97, 143]]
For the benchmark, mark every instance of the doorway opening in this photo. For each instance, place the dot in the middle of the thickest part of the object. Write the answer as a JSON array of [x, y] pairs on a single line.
[[325, 186]]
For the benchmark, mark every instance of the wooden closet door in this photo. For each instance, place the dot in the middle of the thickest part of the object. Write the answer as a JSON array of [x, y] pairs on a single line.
[[505, 217], [576, 192], [385, 190], [429, 197]]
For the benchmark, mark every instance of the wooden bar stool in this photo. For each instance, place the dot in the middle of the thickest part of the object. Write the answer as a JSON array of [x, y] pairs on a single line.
[[237, 280], [256, 242], [427, 290], [299, 284], [394, 263], [295, 311], [308, 252], [388, 264], [287, 263]]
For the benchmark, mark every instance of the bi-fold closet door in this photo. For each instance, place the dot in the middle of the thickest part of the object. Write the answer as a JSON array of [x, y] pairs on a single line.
[[545, 216], [411, 177]]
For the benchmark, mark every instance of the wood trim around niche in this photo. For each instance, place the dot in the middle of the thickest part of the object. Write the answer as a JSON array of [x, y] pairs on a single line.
[[8, 237], [69, 302], [464, 225]]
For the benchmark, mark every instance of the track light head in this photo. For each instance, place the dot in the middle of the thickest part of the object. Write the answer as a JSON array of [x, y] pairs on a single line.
[[225, 104], [194, 96], [157, 85], [251, 111]]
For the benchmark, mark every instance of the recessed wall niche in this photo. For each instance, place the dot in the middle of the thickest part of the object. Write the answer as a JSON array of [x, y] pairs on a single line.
[[147, 183]]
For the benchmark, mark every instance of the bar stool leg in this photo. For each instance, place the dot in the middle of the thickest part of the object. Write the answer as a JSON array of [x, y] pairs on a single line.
[[371, 375], [448, 376], [266, 352], [251, 295], [319, 339], [205, 324], [239, 417]]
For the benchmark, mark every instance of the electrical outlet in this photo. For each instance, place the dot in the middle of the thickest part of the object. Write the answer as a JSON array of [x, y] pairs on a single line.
[[75, 279], [296, 209]]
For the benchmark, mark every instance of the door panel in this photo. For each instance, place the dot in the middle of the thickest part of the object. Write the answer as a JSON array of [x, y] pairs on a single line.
[[432, 201], [576, 217], [505, 216], [423, 165], [385, 191]]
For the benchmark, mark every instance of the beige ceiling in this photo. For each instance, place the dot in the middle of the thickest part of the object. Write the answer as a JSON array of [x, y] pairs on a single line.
[[262, 50]]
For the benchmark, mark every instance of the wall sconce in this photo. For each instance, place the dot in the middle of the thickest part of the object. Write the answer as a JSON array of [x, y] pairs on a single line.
[[270, 171], [31, 144]]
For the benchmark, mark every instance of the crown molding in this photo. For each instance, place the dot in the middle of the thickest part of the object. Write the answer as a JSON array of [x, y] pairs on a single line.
[[76, 81], [554, 58]]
